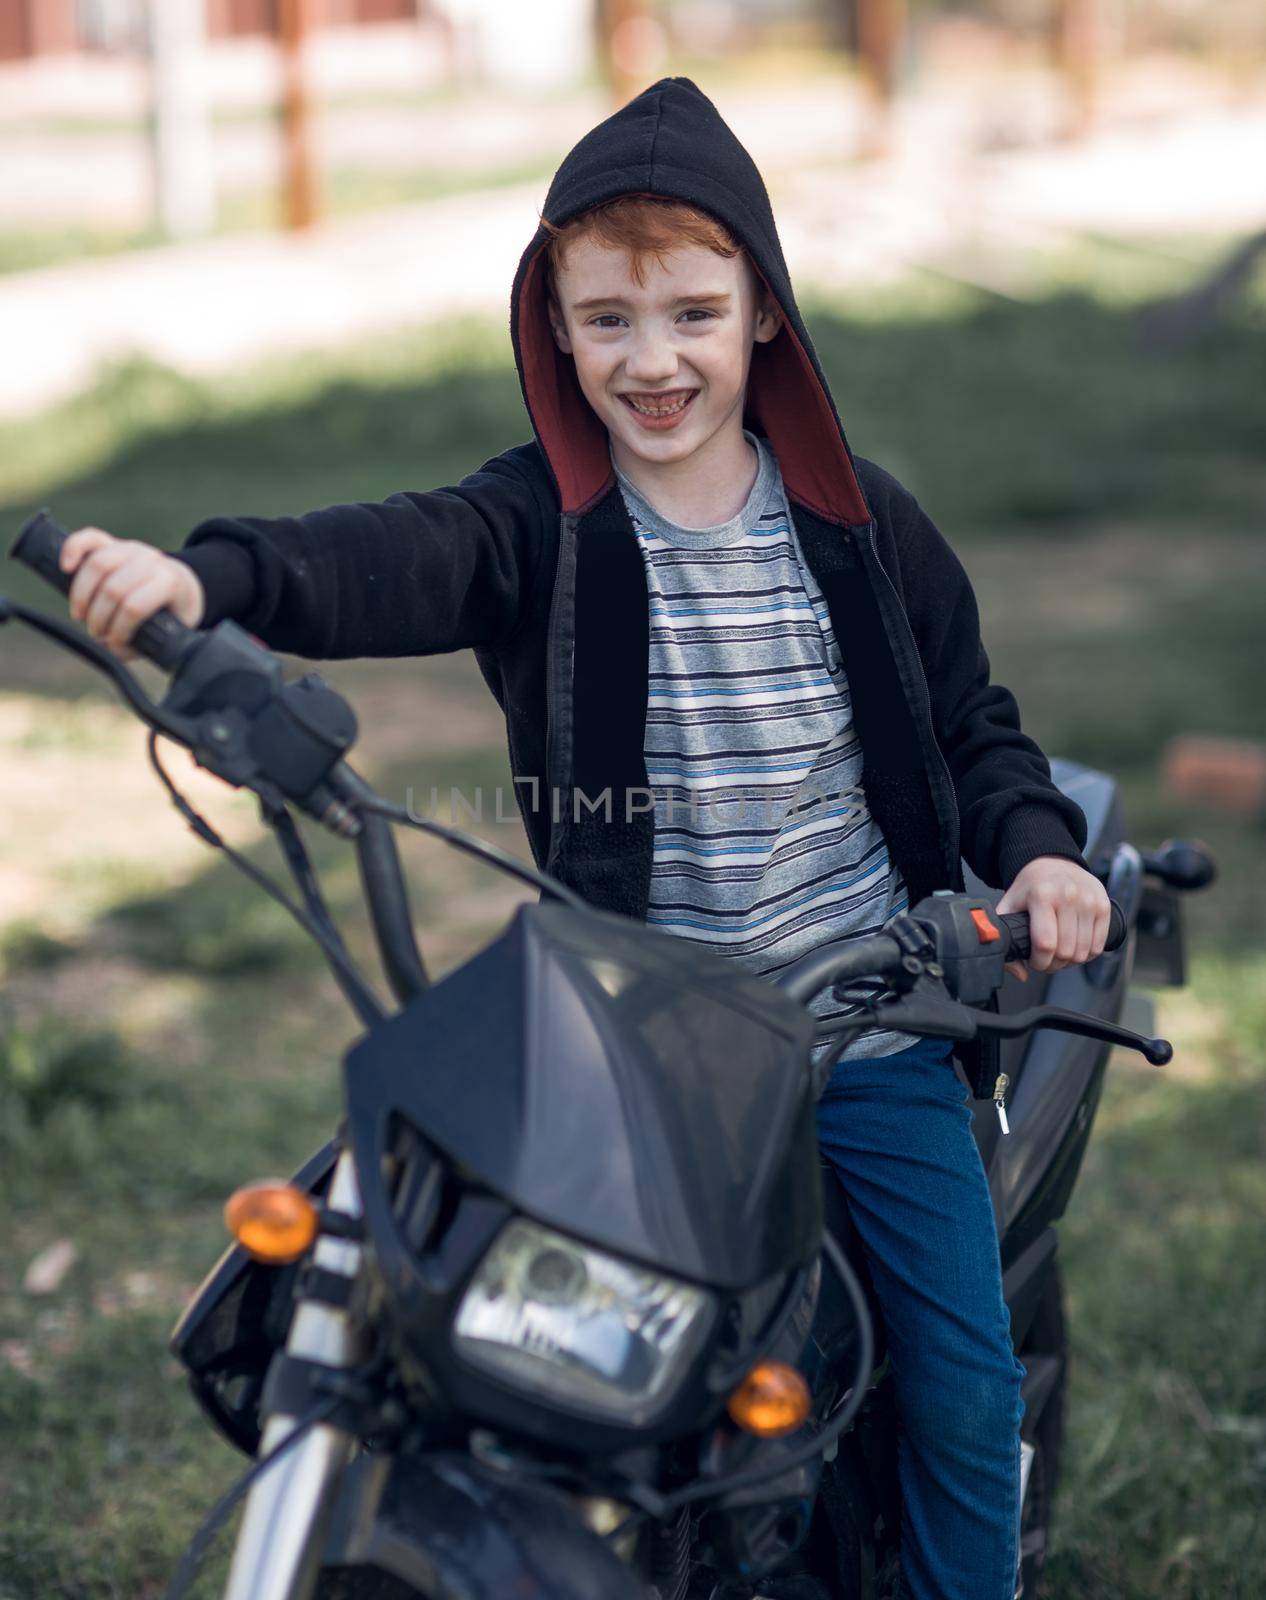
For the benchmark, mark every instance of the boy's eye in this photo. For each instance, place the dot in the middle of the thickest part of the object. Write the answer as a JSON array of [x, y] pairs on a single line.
[[605, 318]]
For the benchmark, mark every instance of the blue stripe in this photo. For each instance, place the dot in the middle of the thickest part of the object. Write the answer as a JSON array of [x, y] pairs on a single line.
[[729, 605], [755, 688], [786, 905], [728, 772], [691, 850], [649, 537]]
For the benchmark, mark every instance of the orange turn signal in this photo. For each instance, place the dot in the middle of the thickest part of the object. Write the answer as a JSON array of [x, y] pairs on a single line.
[[773, 1399], [272, 1221]]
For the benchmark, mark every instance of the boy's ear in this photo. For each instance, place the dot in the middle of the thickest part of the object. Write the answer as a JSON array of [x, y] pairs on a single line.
[[768, 317], [557, 325]]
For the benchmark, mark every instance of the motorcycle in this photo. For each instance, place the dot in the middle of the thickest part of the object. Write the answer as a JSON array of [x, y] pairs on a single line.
[[567, 1307]]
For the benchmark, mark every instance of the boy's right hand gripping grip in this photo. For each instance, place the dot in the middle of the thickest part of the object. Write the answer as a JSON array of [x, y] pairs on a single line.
[[162, 638]]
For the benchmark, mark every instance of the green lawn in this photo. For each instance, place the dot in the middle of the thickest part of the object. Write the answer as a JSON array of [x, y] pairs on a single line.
[[164, 1035]]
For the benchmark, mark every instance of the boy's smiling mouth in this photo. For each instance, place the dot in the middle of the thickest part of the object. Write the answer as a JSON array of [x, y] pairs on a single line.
[[657, 406]]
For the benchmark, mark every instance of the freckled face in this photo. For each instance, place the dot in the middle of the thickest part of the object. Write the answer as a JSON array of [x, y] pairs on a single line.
[[663, 364]]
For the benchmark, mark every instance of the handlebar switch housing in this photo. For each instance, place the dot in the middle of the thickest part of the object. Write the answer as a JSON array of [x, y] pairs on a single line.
[[250, 723], [302, 733], [970, 943], [228, 668]]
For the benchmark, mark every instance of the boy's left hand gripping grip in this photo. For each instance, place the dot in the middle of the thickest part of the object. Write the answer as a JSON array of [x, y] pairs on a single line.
[[162, 638], [1017, 925]]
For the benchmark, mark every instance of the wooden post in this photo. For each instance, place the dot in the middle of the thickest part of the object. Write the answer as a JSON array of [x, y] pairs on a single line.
[[299, 185], [1080, 28], [616, 21], [881, 28]]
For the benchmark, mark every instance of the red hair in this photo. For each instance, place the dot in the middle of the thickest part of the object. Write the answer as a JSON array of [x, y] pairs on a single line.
[[642, 225]]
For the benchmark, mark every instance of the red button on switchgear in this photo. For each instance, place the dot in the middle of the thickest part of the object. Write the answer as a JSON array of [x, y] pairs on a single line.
[[985, 930]]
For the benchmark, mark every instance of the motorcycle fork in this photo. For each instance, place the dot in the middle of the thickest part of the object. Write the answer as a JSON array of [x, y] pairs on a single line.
[[279, 1542]]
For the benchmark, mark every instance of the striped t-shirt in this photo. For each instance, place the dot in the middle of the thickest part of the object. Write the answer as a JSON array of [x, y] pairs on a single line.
[[764, 848]]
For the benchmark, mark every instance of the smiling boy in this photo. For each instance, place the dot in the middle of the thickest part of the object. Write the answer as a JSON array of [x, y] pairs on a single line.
[[689, 596], [665, 370]]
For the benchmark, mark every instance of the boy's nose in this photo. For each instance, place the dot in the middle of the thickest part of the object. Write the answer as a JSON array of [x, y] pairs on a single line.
[[652, 361]]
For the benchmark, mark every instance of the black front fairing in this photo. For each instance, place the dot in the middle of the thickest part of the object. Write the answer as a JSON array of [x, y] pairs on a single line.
[[622, 1085]]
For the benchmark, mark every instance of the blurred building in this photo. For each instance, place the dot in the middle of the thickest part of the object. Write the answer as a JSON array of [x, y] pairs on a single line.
[[531, 44], [57, 27]]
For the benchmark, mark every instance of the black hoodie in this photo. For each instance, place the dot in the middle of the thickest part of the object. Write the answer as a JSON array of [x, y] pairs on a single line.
[[532, 562]]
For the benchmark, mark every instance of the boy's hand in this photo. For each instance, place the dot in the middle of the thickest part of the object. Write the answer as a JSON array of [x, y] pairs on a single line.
[[120, 583], [1068, 914]]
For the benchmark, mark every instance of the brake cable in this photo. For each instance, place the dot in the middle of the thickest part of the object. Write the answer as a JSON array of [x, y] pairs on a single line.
[[224, 1507], [315, 921]]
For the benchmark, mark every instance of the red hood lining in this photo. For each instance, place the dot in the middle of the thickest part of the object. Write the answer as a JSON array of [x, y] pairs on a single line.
[[785, 400]]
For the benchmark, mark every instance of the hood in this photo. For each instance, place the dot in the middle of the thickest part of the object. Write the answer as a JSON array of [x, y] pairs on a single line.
[[671, 142]]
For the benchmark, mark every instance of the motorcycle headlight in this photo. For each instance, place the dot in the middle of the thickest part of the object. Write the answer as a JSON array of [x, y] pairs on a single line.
[[578, 1326]]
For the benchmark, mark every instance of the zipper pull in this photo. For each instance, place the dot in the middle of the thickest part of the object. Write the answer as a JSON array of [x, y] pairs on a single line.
[[999, 1100]]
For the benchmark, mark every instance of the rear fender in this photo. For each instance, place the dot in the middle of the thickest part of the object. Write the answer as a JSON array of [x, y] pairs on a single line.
[[446, 1528]]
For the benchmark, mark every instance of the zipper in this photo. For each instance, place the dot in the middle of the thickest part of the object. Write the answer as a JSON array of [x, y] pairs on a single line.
[[555, 836], [927, 733], [1000, 1100]]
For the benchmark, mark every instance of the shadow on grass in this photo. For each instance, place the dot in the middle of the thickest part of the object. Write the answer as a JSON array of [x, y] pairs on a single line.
[[85, 1115], [217, 927]]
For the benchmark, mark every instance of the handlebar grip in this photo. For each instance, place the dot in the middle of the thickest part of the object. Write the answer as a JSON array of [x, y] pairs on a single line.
[[162, 638], [38, 546], [1017, 925]]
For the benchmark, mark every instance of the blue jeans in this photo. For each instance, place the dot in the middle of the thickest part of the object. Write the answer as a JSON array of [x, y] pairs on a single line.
[[897, 1130]]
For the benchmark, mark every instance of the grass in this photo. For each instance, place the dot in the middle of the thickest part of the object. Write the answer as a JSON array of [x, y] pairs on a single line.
[[212, 933], [165, 1035], [1167, 1445], [114, 1478]]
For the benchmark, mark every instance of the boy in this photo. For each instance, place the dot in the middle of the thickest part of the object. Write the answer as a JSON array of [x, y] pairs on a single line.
[[684, 591]]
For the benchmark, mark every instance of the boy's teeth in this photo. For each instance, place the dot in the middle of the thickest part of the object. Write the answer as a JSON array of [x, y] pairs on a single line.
[[657, 411]]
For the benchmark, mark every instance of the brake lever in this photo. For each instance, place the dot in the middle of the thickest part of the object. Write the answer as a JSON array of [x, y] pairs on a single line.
[[928, 1012], [930, 1009], [1158, 1052]]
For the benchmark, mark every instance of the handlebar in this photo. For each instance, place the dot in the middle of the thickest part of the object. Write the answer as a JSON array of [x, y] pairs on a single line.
[[229, 704], [881, 955], [945, 959], [162, 638]]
